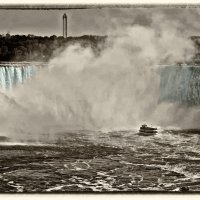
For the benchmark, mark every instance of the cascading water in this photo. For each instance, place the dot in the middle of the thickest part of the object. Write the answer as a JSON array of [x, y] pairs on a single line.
[[177, 83], [180, 84], [13, 74]]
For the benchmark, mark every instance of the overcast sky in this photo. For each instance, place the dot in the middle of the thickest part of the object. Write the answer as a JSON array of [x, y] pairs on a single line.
[[94, 21]]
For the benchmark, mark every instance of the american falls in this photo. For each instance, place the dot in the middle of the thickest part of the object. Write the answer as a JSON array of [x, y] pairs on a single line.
[[12, 74]]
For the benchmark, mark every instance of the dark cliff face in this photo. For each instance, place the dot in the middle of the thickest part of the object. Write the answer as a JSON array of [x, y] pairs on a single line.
[[37, 48]]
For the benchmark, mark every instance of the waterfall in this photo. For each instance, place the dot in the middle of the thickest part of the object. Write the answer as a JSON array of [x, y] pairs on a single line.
[[177, 83], [13, 74], [180, 84]]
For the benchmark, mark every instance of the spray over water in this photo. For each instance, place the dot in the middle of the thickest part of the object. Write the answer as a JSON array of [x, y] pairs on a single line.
[[118, 89]]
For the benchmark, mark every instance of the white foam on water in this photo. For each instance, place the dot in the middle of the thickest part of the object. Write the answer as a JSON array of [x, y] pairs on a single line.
[[57, 188], [19, 187], [25, 144], [180, 168]]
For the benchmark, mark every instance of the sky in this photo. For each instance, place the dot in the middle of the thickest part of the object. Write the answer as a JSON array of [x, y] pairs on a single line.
[[95, 21]]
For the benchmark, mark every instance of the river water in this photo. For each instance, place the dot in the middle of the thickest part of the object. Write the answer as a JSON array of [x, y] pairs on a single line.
[[103, 162]]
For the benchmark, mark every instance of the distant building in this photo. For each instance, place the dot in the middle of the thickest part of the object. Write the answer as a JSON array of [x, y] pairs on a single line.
[[65, 25]]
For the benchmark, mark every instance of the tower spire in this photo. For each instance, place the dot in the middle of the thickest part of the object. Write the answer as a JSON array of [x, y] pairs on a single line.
[[65, 25]]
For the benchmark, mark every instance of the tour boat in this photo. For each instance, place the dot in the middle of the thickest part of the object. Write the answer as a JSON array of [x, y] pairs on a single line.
[[147, 131]]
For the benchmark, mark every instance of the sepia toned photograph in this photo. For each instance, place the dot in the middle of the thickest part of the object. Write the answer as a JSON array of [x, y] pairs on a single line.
[[100, 98]]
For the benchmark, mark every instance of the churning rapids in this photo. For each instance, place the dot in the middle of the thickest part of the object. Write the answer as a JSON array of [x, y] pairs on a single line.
[[103, 162]]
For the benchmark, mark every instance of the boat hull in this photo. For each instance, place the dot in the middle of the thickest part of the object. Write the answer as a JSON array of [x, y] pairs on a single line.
[[146, 133]]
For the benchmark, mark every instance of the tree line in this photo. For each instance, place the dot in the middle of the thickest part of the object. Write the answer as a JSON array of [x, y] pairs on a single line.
[[38, 48]]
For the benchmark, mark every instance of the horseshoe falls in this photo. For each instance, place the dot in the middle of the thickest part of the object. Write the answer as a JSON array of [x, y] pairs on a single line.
[[180, 84]]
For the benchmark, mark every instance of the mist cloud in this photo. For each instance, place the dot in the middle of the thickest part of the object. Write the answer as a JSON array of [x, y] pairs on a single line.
[[118, 89]]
